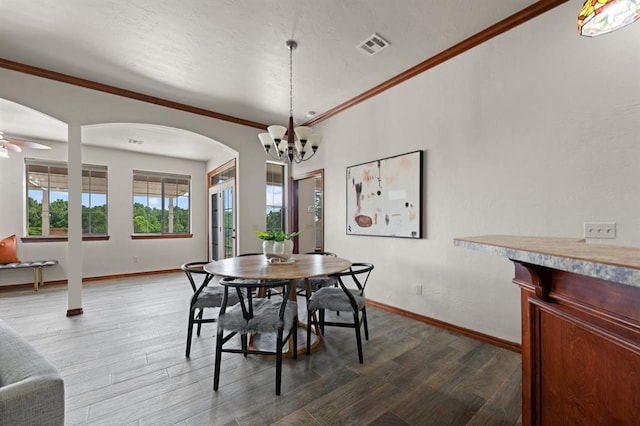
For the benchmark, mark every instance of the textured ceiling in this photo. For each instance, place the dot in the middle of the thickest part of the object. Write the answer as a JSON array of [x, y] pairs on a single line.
[[229, 56]]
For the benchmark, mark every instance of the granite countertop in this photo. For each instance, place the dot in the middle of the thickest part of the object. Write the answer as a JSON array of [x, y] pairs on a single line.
[[612, 263]]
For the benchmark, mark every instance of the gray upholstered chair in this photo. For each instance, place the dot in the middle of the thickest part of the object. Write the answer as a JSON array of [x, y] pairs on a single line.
[[31, 389], [348, 297], [204, 296], [253, 315]]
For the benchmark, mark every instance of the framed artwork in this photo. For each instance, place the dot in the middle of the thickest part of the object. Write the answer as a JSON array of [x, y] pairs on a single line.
[[384, 197]]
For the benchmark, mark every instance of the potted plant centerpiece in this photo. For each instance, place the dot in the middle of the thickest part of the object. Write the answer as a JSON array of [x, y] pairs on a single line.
[[277, 245]]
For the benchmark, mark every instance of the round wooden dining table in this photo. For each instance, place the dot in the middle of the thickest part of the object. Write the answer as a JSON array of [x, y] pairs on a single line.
[[300, 266], [256, 267]]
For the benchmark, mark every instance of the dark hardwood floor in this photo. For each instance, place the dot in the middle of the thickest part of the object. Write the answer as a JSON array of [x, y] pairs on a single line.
[[123, 363]]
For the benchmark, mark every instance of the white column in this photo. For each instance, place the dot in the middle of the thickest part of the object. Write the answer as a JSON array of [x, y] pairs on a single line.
[[170, 214], [46, 216], [74, 244]]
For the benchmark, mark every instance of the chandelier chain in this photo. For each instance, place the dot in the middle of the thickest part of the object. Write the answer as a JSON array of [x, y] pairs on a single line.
[[291, 81]]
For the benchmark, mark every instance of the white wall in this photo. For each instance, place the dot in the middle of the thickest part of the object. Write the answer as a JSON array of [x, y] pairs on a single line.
[[532, 133], [80, 106], [115, 256]]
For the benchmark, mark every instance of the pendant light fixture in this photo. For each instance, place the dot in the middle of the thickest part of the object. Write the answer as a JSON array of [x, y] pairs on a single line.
[[290, 144], [599, 17]]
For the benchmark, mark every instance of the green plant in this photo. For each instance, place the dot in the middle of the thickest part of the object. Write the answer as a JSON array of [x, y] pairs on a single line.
[[278, 235]]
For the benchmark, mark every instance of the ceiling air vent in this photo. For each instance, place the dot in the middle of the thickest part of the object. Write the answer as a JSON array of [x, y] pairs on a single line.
[[373, 44]]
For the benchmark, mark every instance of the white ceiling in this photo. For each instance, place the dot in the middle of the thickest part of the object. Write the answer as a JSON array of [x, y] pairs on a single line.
[[229, 56]]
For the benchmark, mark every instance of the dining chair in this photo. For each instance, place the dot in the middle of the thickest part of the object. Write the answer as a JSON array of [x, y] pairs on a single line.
[[346, 298], [256, 315], [204, 296], [316, 283], [268, 291]]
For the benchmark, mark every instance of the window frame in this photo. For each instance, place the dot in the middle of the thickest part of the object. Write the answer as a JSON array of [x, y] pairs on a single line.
[[163, 177], [30, 164]]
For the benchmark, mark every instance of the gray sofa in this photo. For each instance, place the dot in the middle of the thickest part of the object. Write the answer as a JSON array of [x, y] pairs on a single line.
[[31, 389]]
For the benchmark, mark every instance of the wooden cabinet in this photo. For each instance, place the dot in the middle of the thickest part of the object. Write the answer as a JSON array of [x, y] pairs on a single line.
[[580, 349], [580, 332]]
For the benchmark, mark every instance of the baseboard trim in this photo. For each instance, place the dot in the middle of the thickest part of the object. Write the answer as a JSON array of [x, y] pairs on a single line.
[[13, 287], [505, 344], [129, 275]]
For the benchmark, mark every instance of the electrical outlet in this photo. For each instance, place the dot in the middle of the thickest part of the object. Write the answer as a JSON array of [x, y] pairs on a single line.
[[135, 259], [599, 230], [418, 290]]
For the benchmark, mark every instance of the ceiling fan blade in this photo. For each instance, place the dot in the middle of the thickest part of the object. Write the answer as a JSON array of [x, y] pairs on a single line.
[[10, 147], [26, 144]]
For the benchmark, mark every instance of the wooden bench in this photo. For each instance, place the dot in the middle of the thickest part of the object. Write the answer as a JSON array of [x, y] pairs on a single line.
[[36, 265]]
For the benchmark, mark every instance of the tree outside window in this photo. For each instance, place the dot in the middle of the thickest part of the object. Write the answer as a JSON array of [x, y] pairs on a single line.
[[160, 203], [48, 199]]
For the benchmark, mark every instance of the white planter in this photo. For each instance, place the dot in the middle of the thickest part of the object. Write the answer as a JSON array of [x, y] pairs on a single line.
[[277, 250]]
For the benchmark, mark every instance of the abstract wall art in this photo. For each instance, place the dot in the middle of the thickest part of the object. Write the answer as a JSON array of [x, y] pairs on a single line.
[[384, 197]]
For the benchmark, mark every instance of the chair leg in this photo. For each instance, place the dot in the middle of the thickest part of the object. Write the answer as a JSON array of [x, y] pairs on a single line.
[[321, 318], [243, 343], [189, 333], [294, 330], [279, 345], [309, 321], [216, 372], [200, 315], [364, 320], [356, 322]]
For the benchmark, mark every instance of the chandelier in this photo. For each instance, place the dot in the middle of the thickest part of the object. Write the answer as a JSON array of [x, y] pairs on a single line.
[[288, 143], [603, 16]]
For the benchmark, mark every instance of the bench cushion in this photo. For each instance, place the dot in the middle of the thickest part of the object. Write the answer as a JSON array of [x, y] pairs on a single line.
[[28, 264]]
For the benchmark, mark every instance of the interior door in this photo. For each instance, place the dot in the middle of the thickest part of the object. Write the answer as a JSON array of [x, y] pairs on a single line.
[[308, 211], [222, 220]]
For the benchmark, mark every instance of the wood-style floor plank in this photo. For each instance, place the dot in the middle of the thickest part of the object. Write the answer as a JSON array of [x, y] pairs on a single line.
[[123, 363]]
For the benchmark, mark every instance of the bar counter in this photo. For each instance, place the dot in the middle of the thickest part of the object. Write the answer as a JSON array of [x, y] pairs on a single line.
[[612, 263], [580, 309]]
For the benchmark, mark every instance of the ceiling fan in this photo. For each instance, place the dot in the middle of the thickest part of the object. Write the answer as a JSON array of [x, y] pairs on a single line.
[[16, 144]]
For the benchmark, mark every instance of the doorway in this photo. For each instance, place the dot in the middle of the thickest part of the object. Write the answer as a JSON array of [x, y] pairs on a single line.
[[308, 211], [222, 214]]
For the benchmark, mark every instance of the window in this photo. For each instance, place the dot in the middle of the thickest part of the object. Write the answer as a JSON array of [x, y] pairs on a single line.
[[275, 198], [48, 199], [160, 203], [222, 176]]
